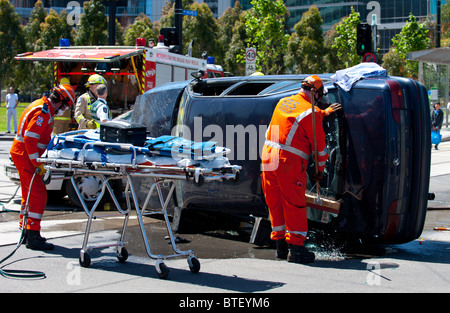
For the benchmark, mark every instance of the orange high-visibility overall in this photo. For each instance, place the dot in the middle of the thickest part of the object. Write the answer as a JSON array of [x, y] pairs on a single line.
[[33, 136], [285, 156]]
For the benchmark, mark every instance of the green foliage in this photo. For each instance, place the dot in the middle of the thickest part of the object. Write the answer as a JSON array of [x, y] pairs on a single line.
[[266, 31], [93, 28], [141, 28], [11, 42], [332, 61], [54, 27], [305, 49], [263, 27], [394, 64], [234, 56], [33, 28], [345, 41], [413, 37], [202, 29]]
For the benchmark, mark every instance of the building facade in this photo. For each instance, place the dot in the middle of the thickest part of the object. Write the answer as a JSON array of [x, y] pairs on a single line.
[[391, 15]]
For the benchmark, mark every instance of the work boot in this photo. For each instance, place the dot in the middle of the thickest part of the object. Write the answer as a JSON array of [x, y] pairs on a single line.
[[282, 249], [34, 241], [299, 254], [39, 237]]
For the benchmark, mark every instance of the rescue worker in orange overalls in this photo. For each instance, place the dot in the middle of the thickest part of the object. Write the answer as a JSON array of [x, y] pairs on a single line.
[[285, 156], [33, 136]]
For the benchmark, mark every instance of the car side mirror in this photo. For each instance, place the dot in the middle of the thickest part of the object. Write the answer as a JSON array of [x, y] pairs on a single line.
[[199, 74]]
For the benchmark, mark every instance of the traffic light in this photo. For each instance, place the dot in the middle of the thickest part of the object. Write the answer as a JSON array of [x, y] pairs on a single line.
[[363, 39], [170, 36], [171, 39]]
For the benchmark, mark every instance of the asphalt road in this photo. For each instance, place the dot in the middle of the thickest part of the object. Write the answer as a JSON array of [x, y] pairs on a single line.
[[228, 264]]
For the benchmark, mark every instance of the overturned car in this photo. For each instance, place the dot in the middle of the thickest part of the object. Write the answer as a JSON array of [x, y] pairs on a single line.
[[379, 148]]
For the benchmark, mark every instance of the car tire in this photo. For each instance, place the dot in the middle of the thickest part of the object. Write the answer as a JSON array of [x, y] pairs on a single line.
[[90, 197]]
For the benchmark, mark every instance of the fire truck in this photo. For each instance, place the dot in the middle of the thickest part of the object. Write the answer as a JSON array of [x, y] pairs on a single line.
[[128, 70]]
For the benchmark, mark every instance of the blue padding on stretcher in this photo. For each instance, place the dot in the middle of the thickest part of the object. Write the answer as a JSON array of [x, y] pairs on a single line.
[[171, 145]]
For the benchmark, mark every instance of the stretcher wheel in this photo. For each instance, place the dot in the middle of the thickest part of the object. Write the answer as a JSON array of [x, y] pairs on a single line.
[[237, 178], [162, 270], [194, 264], [200, 181], [85, 259], [122, 255]]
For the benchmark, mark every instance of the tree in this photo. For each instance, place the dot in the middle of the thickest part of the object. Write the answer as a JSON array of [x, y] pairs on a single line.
[[413, 37], [345, 41], [202, 29], [93, 28], [234, 61], [53, 29], [445, 25], [33, 27], [332, 61], [39, 77], [11, 42], [394, 64], [305, 49], [141, 28], [227, 24], [35, 77], [266, 30], [119, 33]]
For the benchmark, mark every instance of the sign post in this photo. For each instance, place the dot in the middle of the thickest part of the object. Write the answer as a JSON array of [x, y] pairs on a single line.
[[250, 61], [369, 57]]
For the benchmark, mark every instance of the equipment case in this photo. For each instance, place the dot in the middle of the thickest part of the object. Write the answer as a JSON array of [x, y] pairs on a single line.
[[123, 132]]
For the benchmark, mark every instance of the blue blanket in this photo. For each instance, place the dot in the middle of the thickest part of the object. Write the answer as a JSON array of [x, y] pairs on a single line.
[[168, 146]]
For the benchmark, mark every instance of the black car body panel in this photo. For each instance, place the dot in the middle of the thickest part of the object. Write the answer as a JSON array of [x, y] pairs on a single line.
[[379, 147]]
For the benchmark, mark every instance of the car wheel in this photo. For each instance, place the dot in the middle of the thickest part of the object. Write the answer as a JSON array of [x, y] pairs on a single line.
[[90, 188]]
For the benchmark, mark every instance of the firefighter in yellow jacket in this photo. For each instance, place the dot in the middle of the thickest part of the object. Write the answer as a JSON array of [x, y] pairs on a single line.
[[83, 106]]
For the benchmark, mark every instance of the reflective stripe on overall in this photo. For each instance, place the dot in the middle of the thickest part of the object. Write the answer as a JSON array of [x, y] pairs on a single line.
[[285, 157], [35, 127]]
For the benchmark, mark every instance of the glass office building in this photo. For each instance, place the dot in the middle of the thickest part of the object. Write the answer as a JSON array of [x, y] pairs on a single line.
[[391, 14]]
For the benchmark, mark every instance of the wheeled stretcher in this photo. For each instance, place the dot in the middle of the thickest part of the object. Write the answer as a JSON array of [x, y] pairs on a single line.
[[82, 154]]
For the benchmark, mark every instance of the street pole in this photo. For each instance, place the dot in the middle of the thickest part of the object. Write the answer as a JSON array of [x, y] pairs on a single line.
[[179, 23], [112, 23], [438, 24], [374, 35]]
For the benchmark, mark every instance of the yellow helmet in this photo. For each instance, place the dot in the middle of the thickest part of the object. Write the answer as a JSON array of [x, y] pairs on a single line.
[[64, 81], [257, 74], [95, 79]]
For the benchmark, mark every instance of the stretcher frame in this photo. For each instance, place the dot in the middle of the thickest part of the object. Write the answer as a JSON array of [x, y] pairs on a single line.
[[110, 171]]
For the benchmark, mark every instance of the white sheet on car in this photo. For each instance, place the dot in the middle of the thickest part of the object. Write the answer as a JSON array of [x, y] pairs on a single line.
[[348, 77]]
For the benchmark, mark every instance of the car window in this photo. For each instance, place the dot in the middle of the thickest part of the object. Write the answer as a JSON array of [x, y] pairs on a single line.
[[239, 88], [155, 108], [333, 178], [125, 116], [281, 87]]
